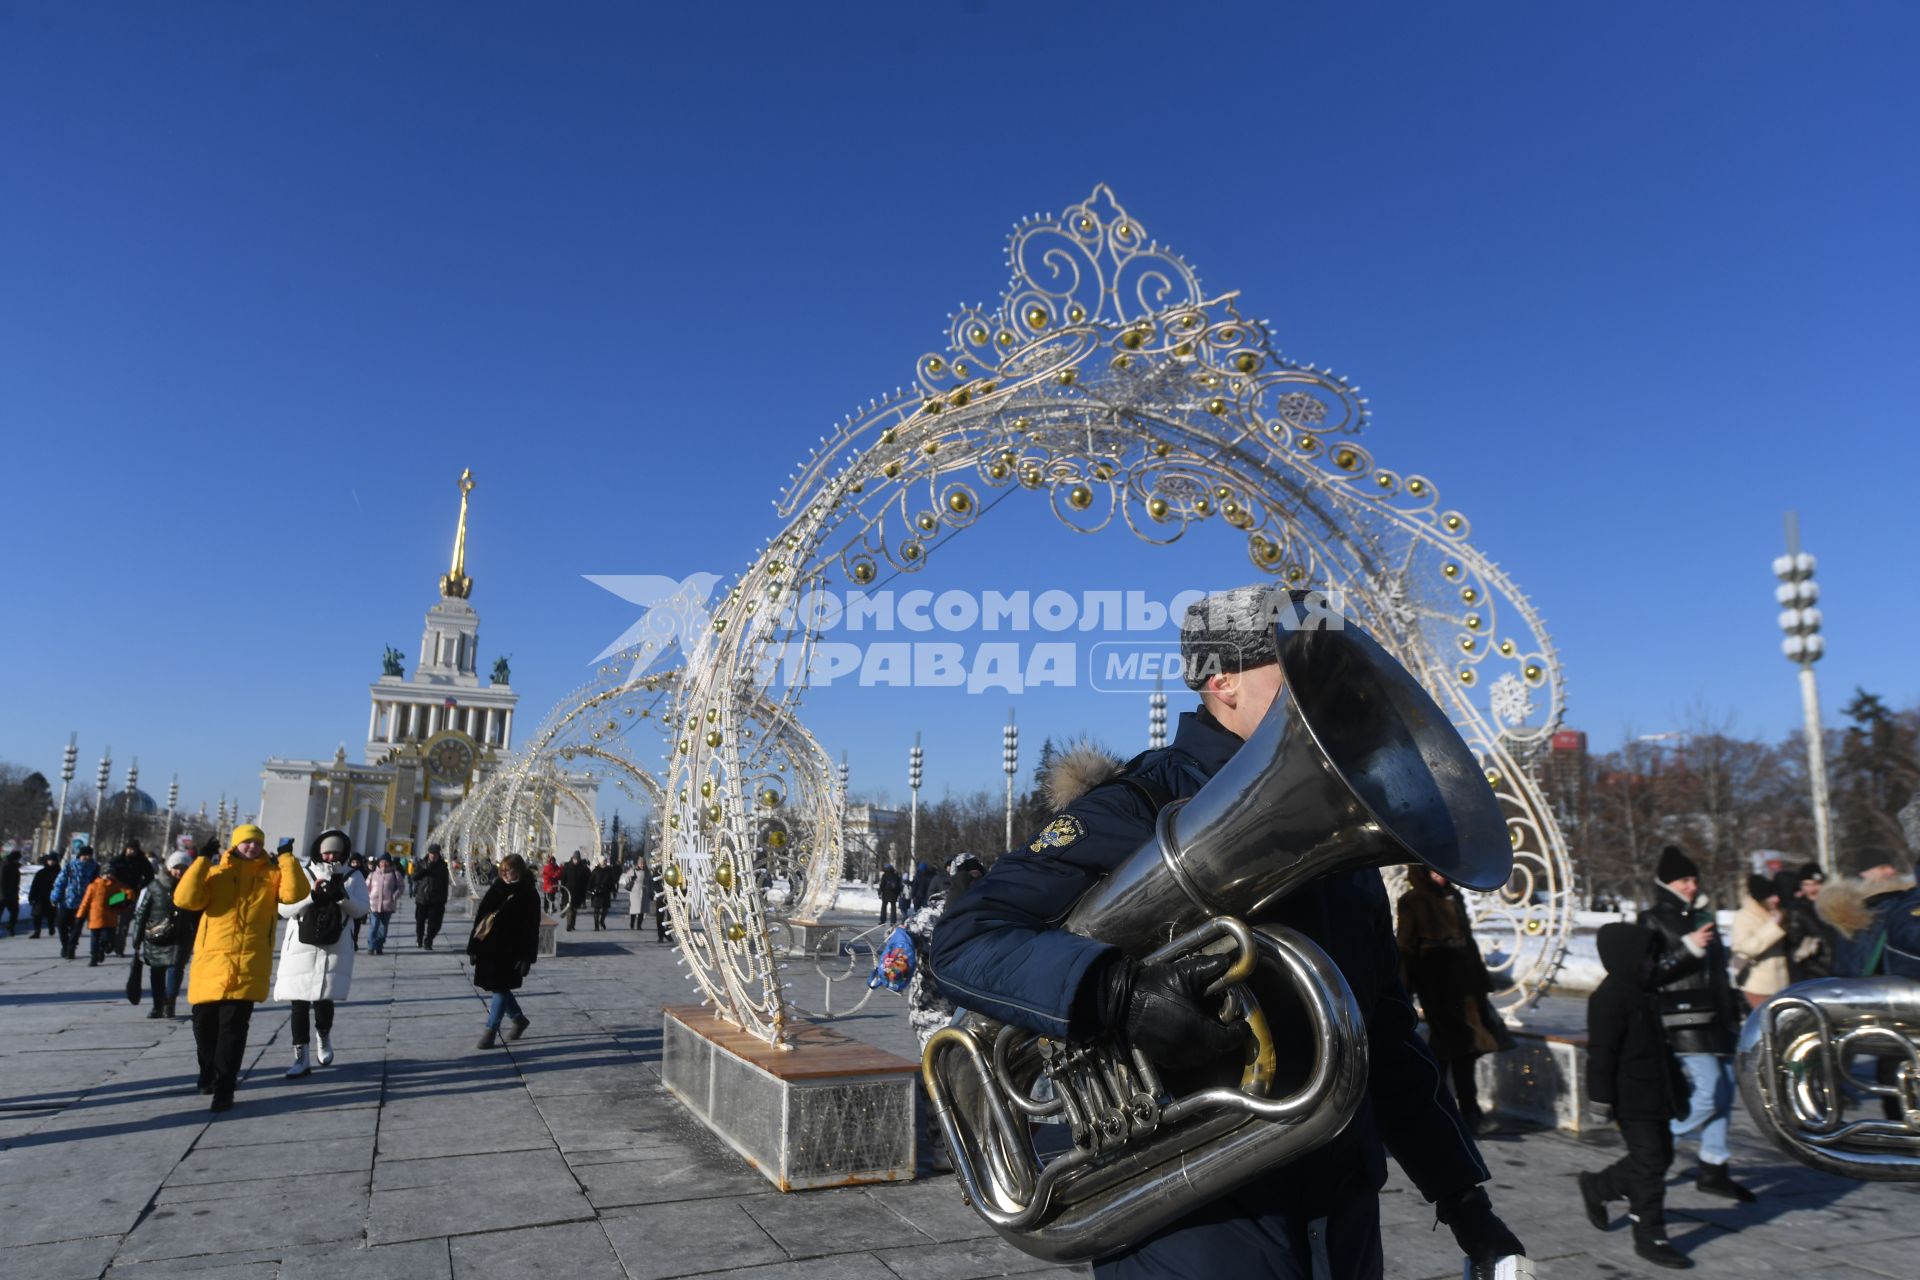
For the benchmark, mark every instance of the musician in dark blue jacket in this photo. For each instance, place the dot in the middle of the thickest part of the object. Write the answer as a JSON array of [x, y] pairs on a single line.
[[1000, 951]]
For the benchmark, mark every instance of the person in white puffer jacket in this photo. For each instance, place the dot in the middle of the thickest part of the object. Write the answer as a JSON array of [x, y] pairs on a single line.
[[317, 971]]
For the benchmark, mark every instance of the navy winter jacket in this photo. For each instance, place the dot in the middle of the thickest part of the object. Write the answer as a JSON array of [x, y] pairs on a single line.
[[1000, 951]]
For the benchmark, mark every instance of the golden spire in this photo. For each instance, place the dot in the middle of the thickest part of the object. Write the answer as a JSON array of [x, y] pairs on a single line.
[[455, 584]]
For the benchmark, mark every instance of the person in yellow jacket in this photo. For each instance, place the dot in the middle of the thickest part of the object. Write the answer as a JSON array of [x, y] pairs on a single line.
[[239, 903]]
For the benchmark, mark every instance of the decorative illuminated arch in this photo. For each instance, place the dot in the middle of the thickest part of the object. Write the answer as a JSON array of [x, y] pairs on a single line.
[[1108, 383]]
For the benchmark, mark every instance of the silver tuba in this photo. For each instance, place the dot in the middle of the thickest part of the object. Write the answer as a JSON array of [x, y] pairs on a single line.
[[1797, 1059], [1354, 766]]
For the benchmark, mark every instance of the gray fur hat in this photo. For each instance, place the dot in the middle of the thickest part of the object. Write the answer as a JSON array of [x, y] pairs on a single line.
[[1229, 631], [1910, 823]]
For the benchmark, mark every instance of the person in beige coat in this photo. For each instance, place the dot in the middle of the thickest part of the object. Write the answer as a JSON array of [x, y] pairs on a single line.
[[1760, 942]]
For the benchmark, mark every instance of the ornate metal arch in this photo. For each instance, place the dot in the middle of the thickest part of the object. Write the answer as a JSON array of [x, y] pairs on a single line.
[[1109, 383]]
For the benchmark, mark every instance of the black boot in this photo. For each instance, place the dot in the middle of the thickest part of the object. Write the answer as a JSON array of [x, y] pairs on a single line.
[[1714, 1180], [1652, 1244], [1595, 1202]]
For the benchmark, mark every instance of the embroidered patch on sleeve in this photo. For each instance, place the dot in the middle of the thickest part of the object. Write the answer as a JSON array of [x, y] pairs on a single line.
[[1060, 833]]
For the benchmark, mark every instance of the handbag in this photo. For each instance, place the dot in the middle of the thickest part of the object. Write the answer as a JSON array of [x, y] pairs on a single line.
[[482, 930], [136, 981]]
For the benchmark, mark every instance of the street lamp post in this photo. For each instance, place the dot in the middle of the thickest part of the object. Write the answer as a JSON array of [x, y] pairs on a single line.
[[846, 822], [68, 758], [1804, 646], [133, 782], [1157, 718], [1010, 761], [173, 801], [914, 760], [100, 798]]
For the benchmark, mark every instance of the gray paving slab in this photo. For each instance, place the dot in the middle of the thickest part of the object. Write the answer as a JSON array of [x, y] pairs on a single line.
[[575, 1250], [682, 1238], [959, 1260], [832, 1222], [285, 1219], [82, 1259], [414, 1260], [309, 1155], [607, 1176]]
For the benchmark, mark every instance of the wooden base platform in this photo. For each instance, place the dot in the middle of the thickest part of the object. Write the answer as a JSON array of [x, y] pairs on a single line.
[[830, 1111]]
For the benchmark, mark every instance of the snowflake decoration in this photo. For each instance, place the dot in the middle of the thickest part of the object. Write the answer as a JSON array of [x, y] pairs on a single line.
[[1302, 408], [1512, 703]]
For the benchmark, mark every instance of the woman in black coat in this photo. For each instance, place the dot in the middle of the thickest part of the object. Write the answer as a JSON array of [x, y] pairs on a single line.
[[503, 944], [1442, 965]]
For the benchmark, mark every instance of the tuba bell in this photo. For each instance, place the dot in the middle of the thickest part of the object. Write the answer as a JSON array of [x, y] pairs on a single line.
[[1797, 1058], [1353, 766]]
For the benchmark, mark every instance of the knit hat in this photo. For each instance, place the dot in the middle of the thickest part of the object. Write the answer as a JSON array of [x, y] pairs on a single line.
[[179, 859], [333, 840], [1786, 884], [433, 848], [1760, 888], [1811, 871], [1674, 865], [247, 831], [1868, 856]]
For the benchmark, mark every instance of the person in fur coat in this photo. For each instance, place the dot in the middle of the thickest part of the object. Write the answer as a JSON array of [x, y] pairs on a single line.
[[1760, 942], [1442, 966], [314, 976], [1873, 912]]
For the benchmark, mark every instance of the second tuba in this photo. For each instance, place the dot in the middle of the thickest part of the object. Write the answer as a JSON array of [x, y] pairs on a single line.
[[1354, 766]]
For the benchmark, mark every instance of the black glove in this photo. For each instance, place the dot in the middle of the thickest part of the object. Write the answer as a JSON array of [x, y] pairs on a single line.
[[1160, 1009], [1479, 1233]]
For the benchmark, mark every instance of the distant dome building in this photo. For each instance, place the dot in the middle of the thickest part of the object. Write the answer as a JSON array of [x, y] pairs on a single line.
[[135, 802]]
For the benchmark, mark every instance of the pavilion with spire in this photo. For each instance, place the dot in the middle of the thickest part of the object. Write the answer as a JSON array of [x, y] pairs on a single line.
[[431, 737]]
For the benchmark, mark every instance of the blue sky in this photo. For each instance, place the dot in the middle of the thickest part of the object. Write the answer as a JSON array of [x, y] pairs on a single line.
[[1627, 280]]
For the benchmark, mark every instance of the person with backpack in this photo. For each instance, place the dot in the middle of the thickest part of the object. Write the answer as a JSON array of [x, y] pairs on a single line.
[[601, 885], [1633, 1080], [577, 879], [233, 949], [316, 956], [101, 907], [68, 888], [431, 885], [160, 932], [503, 945], [384, 888]]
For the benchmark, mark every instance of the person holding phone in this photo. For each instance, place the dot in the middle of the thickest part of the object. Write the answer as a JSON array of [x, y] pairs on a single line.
[[1697, 1009]]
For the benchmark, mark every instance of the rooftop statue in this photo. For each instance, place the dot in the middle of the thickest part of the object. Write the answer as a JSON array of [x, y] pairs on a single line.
[[390, 662]]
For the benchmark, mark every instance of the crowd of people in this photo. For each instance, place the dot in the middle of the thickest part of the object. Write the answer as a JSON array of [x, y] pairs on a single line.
[[1663, 1025], [206, 919]]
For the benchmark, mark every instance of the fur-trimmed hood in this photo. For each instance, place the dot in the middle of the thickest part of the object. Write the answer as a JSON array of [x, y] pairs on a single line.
[[1077, 770], [1843, 903]]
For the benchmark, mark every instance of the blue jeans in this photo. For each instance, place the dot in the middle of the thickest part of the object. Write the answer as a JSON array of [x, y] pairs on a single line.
[[504, 1006], [1709, 1104], [377, 931]]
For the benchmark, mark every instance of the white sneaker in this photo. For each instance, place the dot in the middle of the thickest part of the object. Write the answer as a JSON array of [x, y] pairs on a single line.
[[299, 1067], [326, 1050]]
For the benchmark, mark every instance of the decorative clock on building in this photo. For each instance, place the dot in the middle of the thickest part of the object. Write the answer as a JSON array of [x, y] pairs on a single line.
[[450, 756]]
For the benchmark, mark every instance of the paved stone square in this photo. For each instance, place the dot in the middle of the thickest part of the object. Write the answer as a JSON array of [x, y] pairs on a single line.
[[415, 1156]]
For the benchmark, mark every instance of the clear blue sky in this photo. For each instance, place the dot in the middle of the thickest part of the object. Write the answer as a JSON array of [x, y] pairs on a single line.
[[1628, 280]]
